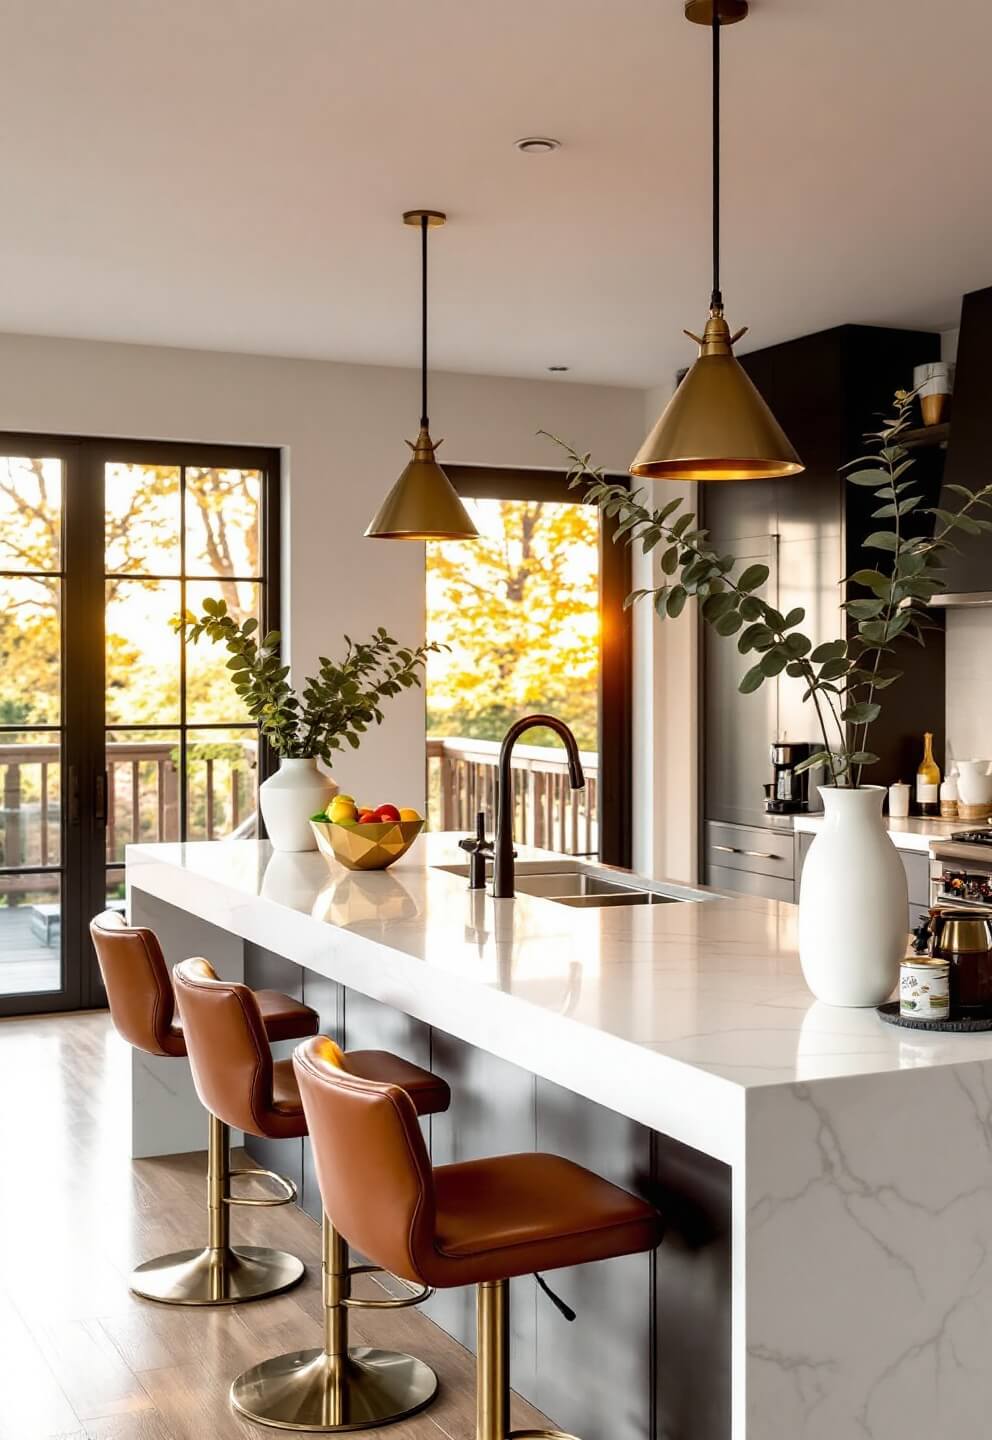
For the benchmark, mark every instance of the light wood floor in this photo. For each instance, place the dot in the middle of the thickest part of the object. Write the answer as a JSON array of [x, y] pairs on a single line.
[[83, 1359]]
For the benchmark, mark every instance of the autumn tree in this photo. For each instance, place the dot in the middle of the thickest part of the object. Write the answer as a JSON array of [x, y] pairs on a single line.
[[519, 608], [141, 535]]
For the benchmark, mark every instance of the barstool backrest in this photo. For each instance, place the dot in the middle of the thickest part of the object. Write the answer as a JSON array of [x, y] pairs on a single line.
[[136, 978], [229, 1051], [372, 1165]]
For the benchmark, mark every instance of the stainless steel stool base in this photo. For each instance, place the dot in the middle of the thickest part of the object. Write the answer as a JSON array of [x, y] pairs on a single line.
[[311, 1390], [216, 1277]]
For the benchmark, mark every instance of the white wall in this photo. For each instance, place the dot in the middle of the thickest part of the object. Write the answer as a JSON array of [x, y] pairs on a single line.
[[666, 710], [342, 429]]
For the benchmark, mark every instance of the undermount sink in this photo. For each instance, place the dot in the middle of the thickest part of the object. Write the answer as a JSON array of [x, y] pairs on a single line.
[[584, 891], [557, 884], [585, 887]]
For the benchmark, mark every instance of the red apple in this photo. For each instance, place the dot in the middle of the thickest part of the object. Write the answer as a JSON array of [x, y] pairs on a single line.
[[369, 818], [387, 812]]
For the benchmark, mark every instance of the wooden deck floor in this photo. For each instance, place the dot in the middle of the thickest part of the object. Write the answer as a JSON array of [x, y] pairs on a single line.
[[83, 1359], [26, 965]]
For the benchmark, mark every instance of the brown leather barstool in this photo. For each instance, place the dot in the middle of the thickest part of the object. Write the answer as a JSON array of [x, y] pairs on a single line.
[[331, 1387], [143, 1009], [479, 1222]]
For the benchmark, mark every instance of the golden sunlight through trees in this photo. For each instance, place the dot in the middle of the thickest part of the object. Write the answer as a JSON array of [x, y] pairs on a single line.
[[519, 608]]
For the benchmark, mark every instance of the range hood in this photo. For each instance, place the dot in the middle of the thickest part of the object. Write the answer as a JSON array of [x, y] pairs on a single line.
[[969, 452]]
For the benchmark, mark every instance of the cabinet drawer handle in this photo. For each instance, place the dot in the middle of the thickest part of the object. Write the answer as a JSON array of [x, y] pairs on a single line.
[[754, 854]]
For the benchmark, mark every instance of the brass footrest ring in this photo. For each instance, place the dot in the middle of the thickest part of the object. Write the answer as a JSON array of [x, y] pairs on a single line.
[[417, 1296], [264, 1200]]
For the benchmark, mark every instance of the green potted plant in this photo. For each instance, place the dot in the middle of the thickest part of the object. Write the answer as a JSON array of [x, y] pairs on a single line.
[[852, 923], [333, 710]]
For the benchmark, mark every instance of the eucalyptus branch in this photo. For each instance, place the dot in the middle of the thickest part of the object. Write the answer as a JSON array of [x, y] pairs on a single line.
[[337, 705]]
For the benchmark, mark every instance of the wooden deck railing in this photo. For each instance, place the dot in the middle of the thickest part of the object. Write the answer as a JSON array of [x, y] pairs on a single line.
[[547, 813], [143, 796], [142, 799]]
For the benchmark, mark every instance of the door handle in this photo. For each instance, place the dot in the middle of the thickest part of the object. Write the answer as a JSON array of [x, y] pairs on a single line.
[[72, 799], [100, 797]]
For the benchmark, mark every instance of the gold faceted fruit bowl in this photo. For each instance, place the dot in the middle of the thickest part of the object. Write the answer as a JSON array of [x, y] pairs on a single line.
[[365, 847]]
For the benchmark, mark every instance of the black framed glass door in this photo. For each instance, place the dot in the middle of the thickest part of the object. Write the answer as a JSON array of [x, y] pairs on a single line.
[[111, 731]]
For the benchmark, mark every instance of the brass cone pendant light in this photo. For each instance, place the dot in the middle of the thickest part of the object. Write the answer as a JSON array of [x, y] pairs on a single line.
[[422, 505], [716, 426]]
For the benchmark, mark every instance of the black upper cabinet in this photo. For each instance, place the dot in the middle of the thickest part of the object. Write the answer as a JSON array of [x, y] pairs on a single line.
[[825, 390], [969, 573]]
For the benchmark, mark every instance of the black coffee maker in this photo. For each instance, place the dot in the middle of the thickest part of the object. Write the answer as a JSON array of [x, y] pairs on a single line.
[[788, 793]]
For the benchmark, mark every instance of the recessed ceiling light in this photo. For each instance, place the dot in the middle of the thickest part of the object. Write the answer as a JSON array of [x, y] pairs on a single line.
[[537, 145], [557, 369]]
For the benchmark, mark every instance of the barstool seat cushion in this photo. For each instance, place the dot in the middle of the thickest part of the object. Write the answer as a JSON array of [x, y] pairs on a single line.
[[283, 1017], [429, 1093], [516, 1214], [286, 1018]]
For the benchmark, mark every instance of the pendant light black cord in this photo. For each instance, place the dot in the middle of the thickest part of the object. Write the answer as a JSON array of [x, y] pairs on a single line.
[[423, 323], [716, 298]]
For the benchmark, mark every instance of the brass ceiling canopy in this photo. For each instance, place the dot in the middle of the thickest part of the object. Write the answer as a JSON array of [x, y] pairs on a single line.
[[716, 426], [423, 505]]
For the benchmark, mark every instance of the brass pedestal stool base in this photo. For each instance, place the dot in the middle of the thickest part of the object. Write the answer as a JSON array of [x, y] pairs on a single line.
[[311, 1390], [216, 1277], [337, 1387], [220, 1274]]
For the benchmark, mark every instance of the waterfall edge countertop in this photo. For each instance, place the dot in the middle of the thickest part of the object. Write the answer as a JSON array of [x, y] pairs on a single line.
[[670, 1014], [854, 1159]]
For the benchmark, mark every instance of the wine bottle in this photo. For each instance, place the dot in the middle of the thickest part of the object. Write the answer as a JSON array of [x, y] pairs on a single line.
[[928, 780]]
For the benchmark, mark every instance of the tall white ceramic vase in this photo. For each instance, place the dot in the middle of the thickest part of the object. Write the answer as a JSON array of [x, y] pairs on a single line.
[[853, 902], [288, 798]]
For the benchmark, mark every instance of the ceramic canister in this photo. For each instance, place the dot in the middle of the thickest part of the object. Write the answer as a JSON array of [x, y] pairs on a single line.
[[924, 988]]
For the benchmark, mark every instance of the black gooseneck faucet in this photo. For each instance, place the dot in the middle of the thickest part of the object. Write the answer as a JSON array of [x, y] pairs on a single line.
[[503, 875]]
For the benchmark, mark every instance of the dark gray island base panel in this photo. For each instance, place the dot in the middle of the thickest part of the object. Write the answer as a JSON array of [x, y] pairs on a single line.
[[648, 1355]]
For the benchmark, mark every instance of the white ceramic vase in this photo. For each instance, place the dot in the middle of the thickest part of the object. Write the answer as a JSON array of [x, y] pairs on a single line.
[[853, 902], [288, 798]]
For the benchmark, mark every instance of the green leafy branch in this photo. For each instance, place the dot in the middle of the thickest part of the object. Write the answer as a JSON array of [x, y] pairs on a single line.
[[842, 677], [336, 706]]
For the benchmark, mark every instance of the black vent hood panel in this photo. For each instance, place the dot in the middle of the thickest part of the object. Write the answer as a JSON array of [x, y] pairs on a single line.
[[969, 451]]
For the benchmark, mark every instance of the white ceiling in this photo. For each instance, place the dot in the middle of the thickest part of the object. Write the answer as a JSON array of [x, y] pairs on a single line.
[[230, 174]]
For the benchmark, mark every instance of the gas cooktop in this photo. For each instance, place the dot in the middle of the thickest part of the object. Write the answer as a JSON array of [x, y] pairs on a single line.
[[972, 837]]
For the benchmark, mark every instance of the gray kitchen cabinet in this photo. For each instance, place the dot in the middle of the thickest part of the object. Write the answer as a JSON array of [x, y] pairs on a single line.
[[754, 860], [743, 882], [917, 868]]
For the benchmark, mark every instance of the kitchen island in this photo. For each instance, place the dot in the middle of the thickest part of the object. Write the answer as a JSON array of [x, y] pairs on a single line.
[[827, 1271]]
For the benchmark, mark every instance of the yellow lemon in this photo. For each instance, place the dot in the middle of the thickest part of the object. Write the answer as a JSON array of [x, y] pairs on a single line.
[[349, 798], [408, 814], [341, 810]]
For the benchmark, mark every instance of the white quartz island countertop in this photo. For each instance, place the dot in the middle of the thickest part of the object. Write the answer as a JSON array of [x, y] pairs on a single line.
[[667, 1013], [861, 1154]]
